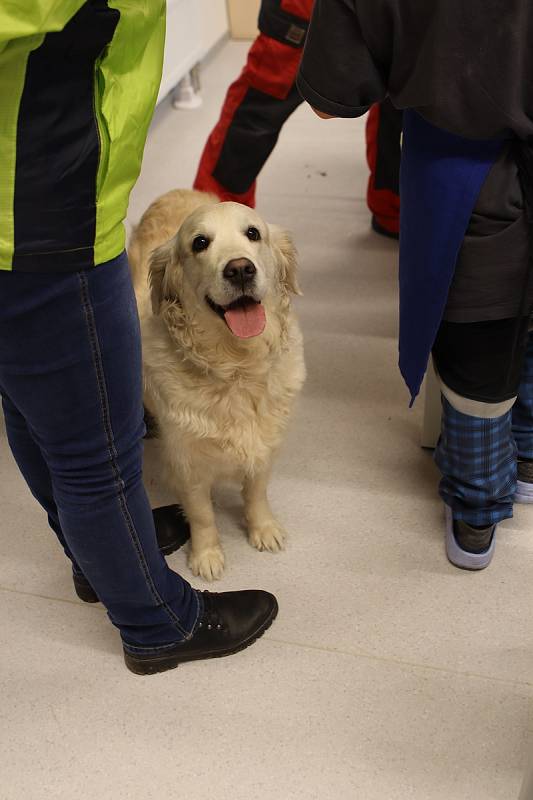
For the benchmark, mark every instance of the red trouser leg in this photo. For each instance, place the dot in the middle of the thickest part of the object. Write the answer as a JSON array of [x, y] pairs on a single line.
[[300, 8], [205, 180], [383, 132], [256, 106]]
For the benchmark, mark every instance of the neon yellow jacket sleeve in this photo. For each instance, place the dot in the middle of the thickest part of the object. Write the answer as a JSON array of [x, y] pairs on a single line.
[[20, 18]]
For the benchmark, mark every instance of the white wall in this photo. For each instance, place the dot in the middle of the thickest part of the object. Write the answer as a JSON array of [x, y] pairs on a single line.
[[243, 18], [214, 21], [193, 28]]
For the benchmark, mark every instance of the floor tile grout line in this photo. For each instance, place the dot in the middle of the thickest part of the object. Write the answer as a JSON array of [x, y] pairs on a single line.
[[79, 603], [304, 646], [400, 662]]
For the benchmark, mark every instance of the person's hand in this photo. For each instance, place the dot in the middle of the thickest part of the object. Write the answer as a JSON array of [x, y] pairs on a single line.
[[322, 115]]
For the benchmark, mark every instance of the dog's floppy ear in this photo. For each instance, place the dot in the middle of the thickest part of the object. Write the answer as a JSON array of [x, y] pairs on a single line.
[[287, 258], [161, 258]]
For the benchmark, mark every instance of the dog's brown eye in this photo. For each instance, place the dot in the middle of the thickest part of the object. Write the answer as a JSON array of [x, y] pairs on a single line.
[[200, 243], [253, 234]]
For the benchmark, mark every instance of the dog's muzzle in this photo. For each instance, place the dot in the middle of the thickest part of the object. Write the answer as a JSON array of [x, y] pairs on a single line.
[[245, 314]]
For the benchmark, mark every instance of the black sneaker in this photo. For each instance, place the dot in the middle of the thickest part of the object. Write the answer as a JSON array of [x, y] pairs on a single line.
[[524, 489], [83, 588], [171, 527], [377, 227], [150, 422], [468, 547], [172, 531], [230, 622], [472, 539]]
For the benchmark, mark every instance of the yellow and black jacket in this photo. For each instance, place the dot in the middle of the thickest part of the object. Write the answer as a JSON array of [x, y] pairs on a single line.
[[78, 86]]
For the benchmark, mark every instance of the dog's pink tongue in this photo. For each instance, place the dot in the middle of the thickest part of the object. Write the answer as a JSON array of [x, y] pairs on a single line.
[[246, 321]]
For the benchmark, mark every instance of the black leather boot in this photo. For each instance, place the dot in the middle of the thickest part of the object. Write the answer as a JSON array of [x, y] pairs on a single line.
[[171, 527], [172, 530], [150, 422], [230, 622]]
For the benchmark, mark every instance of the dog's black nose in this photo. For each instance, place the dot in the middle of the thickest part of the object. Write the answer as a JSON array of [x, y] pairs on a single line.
[[239, 271]]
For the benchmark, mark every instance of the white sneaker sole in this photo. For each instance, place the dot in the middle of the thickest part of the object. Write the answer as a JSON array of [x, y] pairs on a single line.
[[462, 558], [524, 492]]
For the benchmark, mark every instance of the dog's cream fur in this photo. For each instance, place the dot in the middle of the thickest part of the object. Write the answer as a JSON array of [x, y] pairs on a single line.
[[221, 403]]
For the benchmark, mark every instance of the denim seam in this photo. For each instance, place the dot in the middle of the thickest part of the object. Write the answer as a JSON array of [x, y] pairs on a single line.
[[104, 403], [130, 648], [140, 650]]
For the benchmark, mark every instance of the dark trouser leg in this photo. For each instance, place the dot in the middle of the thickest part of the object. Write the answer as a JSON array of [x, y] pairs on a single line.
[[477, 459], [70, 363], [256, 107], [383, 134]]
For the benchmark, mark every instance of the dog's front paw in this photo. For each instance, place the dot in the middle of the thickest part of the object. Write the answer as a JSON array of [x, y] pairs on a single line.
[[268, 535], [208, 563]]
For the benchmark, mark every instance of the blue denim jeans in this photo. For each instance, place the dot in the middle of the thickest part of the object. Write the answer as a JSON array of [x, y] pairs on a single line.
[[71, 386]]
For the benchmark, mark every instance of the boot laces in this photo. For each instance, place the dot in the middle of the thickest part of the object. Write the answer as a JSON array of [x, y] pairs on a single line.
[[211, 619]]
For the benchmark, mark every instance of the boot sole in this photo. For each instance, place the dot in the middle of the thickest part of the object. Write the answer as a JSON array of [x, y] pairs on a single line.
[[163, 663]]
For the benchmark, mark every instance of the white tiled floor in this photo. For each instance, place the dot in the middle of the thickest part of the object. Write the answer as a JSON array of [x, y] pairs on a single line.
[[388, 675]]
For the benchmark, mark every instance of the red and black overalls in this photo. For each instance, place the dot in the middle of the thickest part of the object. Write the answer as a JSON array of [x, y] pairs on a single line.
[[264, 96]]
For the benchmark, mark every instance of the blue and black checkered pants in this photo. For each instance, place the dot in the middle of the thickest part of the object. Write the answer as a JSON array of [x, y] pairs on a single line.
[[477, 457]]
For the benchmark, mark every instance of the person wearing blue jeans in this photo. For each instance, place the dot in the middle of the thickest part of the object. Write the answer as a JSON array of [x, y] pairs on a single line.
[[70, 380], [78, 85]]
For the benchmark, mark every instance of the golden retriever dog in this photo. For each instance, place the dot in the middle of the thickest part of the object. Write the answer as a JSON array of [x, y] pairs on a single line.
[[223, 356]]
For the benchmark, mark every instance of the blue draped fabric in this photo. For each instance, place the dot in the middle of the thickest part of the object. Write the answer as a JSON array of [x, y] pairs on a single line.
[[441, 178]]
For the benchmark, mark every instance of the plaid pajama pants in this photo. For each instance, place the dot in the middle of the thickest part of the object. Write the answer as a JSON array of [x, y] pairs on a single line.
[[477, 457]]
